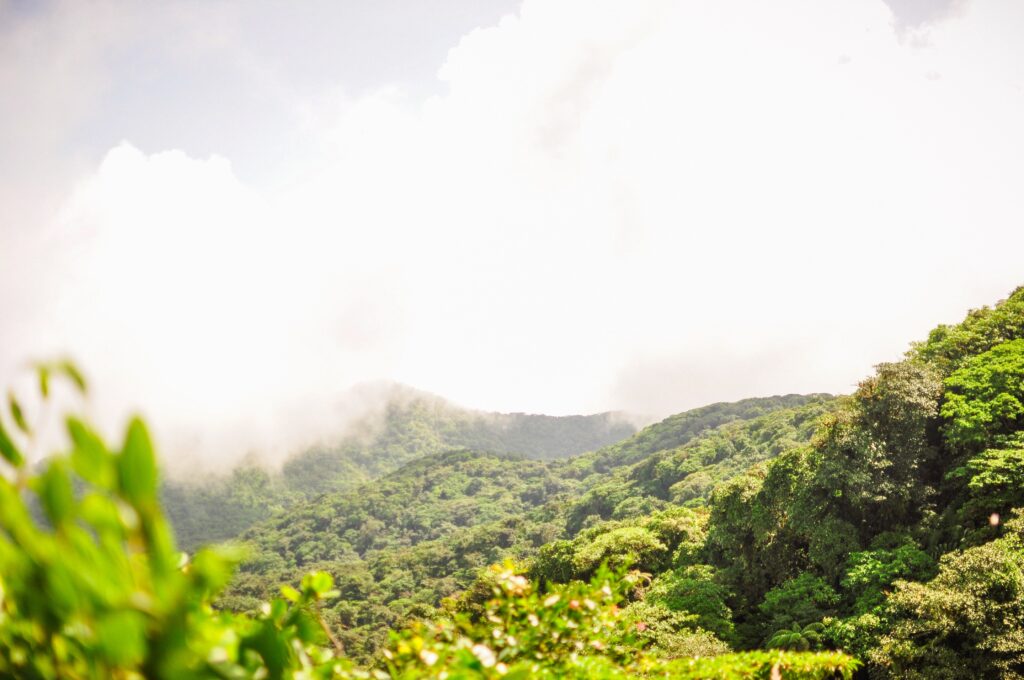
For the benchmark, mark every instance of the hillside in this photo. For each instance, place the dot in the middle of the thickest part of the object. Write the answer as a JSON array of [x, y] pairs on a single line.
[[854, 523], [886, 526], [400, 544], [399, 426], [894, 534]]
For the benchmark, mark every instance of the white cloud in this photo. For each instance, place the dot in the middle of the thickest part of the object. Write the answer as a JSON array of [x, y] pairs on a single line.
[[644, 206]]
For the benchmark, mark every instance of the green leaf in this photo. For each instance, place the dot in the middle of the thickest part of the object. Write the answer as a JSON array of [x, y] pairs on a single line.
[[122, 638], [271, 647], [68, 368], [89, 457], [8, 450], [17, 413], [319, 583], [101, 513], [43, 371], [136, 466], [55, 493]]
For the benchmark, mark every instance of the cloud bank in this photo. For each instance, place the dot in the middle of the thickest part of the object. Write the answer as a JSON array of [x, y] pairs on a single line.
[[645, 206]]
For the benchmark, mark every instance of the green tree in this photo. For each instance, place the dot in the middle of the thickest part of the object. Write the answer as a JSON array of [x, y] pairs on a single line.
[[984, 403], [797, 602], [575, 630], [967, 622], [797, 638], [693, 590], [871, 572], [995, 483]]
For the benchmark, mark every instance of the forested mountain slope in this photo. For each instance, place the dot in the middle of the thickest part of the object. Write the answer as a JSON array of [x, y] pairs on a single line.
[[687, 473], [887, 536], [880, 524], [398, 545], [407, 425], [676, 430], [95, 587], [886, 526]]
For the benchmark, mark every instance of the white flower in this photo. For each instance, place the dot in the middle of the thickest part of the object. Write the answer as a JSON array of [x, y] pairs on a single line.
[[428, 657], [485, 654]]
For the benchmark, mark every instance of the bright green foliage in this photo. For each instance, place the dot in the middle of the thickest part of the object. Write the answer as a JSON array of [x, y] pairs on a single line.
[[858, 636], [816, 509], [651, 544], [754, 430], [671, 634], [97, 589], [570, 631], [872, 572], [396, 547], [677, 430], [967, 622], [620, 546], [693, 590], [798, 638], [826, 522], [985, 399], [400, 544], [798, 602], [8, 449], [908, 468], [765, 664], [983, 329], [995, 483], [575, 630]]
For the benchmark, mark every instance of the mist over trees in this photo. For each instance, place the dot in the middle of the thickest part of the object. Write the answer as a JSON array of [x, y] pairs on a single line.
[[398, 426], [876, 534]]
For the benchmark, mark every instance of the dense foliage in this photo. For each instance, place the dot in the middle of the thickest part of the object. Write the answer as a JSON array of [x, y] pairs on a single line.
[[793, 523], [403, 425], [767, 538], [94, 587], [401, 544], [882, 528]]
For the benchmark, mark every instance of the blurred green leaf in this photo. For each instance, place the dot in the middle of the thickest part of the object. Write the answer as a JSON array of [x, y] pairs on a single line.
[[17, 413], [266, 642], [55, 492], [89, 456], [43, 371], [122, 638], [101, 513], [68, 368], [136, 466], [9, 451], [318, 583]]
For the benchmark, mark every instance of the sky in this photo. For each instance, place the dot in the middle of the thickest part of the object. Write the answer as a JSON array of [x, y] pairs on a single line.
[[230, 212]]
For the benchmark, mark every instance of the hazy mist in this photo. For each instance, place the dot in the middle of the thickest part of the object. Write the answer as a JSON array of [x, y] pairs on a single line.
[[558, 207]]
